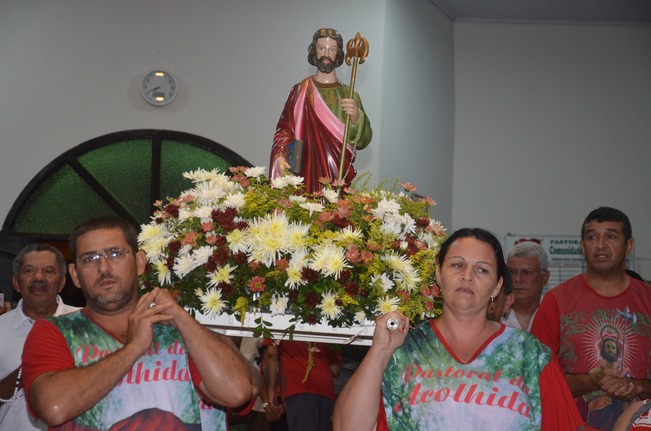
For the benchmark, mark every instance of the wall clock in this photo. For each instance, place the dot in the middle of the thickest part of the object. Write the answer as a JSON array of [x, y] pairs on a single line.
[[158, 88]]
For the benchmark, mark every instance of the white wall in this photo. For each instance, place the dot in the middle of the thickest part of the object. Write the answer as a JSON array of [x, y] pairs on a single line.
[[70, 71], [552, 122], [418, 102]]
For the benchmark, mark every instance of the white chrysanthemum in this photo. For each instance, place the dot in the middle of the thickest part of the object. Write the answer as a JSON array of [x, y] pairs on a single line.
[[409, 225], [207, 194], [391, 225], [202, 254], [236, 241], [349, 235], [295, 269], [294, 180], [329, 260], [201, 175], [386, 304], [331, 195], [386, 207], [360, 317], [278, 305], [312, 207], [164, 274], [255, 172], [297, 198], [203, 212], [234, 200], [153, 239], [383, 281], [294, 276], [298, 236], [267, 238], [223, 274], [212, 302], [408, 280], [329, 307], [396, 262], [184, 214], [279, 183], [183, 265]]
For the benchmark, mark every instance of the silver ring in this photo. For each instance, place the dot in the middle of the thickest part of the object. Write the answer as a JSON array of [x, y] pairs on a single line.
[[393, 324]]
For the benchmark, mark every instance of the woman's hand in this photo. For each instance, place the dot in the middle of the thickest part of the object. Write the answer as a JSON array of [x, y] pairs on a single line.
[[390, 339]]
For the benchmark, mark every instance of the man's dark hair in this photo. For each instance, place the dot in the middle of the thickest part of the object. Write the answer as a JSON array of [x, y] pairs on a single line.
[[332, 34], [19, 260], [604, 214], [104, 222]]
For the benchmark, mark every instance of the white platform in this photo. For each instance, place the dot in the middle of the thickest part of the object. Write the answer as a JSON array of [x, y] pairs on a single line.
[[230, 325]]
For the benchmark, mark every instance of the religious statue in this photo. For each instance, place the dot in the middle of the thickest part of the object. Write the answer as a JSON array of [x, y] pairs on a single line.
[[309, 138]]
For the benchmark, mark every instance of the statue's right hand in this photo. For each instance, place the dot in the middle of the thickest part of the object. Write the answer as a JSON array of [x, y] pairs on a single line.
[[281, 164]]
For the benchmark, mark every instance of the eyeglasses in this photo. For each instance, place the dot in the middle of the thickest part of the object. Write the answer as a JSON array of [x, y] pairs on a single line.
[[91, 260], [526, 273]]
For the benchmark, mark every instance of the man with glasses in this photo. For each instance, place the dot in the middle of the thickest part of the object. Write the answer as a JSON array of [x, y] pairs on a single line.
[[126, 361], [527, 263], [604, 305], [39, 274]]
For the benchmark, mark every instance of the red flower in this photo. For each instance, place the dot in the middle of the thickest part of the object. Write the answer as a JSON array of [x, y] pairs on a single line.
[[191, 239], [408, 186], [282, 264], [351, 288], [257, 284], [353, 255], [207, 226], [174, 246], [309, 275], [311, 299], [172, 210], [240, 258], [227, 289]]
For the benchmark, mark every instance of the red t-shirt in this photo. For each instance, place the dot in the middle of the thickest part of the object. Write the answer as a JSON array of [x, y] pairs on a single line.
[[294, 363]]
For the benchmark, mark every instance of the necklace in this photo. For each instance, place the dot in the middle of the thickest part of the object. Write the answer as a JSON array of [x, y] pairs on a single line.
[[14, 397]]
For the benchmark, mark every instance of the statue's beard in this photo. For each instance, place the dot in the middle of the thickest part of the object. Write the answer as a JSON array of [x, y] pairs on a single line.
[[325, 67]]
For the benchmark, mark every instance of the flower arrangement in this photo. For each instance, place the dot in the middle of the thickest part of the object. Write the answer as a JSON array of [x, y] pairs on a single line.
[[233, 244]]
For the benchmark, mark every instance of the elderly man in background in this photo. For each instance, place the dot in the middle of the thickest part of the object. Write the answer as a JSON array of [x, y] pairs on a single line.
[[528, 265], [39, 274]]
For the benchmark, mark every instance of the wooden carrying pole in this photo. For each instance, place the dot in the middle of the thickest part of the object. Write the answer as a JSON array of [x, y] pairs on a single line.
[[356, 51]]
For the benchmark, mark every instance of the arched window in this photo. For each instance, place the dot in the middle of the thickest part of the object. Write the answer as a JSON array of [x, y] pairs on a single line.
[[122, 173]]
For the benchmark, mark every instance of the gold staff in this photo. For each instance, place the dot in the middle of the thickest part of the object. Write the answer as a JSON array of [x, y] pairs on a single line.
[[356, 50]]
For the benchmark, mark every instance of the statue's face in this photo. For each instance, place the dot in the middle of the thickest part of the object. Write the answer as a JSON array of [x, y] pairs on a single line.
[[326, 50]]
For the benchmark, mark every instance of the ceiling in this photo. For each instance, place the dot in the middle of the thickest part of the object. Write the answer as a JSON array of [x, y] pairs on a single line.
[[576, 12]]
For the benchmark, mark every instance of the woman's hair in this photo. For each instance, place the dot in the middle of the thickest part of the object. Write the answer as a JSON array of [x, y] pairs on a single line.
[[483, 236]]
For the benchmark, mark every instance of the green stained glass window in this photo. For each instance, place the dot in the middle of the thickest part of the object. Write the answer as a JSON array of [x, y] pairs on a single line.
[[57, 203], [121, 173], [175, 159]]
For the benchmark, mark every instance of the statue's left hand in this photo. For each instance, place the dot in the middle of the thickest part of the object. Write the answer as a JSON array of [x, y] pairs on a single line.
[[349, 106]]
